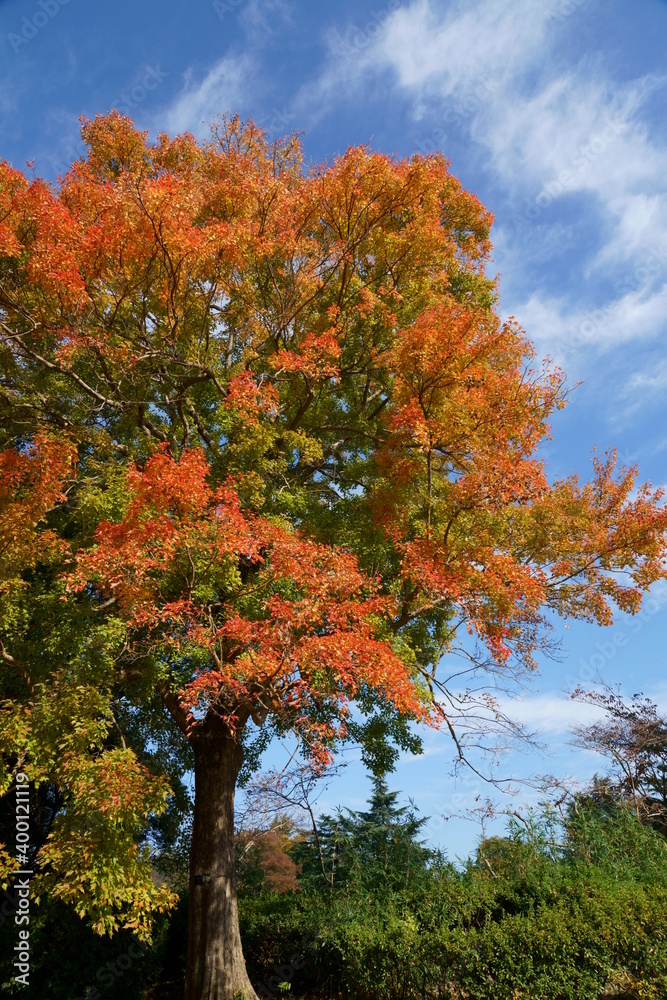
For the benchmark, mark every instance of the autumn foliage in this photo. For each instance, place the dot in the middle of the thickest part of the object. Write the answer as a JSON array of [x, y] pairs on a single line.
[[269, 449], [279, 622], [32, 482]]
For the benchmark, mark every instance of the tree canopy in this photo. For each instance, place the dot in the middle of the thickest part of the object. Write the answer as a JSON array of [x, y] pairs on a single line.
[[268, 449]]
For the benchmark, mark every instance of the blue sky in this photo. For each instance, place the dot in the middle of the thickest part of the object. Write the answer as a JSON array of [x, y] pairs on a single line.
[[551, 111]]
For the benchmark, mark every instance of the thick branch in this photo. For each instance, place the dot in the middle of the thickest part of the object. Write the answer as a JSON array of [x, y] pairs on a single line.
[[8, 658], [174, 707]]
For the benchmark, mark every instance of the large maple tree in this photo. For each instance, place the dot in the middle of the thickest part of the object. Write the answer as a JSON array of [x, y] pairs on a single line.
[[267, 449]]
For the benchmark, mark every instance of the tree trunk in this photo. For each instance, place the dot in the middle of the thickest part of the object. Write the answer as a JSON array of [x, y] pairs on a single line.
[[215, 965]]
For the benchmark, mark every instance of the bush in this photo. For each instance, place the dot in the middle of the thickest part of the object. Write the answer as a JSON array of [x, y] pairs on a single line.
[[582, 918]]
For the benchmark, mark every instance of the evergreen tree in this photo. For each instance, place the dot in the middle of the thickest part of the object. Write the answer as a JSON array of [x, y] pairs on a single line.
[[374, 851]]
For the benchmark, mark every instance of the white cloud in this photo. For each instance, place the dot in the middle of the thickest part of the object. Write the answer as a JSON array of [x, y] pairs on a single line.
[[448, 50], [62, 142], [550, 713], [224, 88], [545, 127], [261, 17], [560, 329], [573, 130], [651, 380], [435, 52]]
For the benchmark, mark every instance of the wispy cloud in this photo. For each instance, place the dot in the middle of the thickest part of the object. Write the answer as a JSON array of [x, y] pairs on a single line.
[[652, 380], [235, 82], [443, 51], [262, 18], [560, 327], [225, 87], [549, 131], [550, 713], [541, 124]]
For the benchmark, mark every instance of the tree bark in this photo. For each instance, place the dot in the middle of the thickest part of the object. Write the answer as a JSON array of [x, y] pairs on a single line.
[[215, 964]]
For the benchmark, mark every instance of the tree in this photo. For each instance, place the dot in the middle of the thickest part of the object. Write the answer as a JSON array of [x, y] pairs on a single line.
[[264, 860], [306, 460], [632, 736], [376, 852]]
